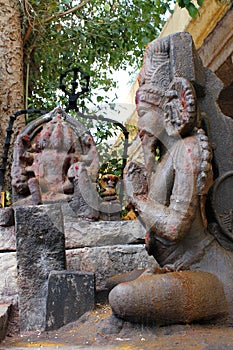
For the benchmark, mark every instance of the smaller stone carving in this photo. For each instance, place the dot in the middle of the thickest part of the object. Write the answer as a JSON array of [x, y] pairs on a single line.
[[46, 156], [110, 207], [56, 160], [108, 184]]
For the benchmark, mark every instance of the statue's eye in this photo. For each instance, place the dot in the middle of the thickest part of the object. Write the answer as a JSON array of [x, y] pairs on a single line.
[[141, 112]]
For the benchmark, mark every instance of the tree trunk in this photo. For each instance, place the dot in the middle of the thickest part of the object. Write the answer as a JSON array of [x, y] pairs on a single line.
[[11, 75]]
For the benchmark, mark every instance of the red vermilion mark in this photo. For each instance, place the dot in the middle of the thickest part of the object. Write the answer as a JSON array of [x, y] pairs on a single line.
[[47, 134], [111, 191], [147, 237], [183, 102], [26, 137]]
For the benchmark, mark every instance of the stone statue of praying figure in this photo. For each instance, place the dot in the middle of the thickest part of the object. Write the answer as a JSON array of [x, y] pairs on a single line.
[[168, 192]]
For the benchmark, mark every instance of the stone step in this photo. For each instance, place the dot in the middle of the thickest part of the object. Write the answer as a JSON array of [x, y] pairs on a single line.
[[4, 314]]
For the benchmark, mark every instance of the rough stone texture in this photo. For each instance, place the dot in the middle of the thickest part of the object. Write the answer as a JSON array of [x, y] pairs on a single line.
[[80, 234], [4, 312], [177, 297], [219, 127], [7, 238], [70, 295], [11, 77], [191, 69], [110, 211], [111, 236], [108, 261], [6, 216], [220, 130], [40, 249], [8, 273]]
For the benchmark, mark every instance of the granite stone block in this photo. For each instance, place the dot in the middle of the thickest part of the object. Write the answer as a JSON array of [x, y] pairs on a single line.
[[70, 295], [40, 249]]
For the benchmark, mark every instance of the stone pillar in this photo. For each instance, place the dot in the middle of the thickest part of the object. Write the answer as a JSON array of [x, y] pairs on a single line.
[[40, 245]]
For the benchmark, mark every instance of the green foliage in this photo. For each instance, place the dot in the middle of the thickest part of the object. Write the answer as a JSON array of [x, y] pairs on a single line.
[[97, 36], [189, 5], [110, 160], [105, 135], [111, 163], [7, 195]]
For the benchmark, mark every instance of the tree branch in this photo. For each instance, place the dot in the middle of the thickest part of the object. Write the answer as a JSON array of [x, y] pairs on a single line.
[[27, 34], [61, 14]]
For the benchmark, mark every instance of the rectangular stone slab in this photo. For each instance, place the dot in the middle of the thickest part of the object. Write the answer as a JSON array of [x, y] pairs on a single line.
[[185, 61], [40, 244], [81, 233], [70, 295]]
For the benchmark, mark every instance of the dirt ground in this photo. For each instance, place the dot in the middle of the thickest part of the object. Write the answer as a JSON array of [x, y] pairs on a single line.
[[99, 329]]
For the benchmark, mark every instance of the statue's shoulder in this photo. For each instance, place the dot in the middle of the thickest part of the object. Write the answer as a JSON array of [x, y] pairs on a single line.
[[195, 146]]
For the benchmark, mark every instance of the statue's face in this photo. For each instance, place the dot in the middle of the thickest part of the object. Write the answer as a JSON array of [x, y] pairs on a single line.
[[150, 127], [150, 122]]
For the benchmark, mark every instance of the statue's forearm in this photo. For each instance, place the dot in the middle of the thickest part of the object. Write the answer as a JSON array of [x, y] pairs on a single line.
[[164, 221]]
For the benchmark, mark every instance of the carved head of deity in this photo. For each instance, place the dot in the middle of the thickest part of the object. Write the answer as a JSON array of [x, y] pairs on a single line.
[[44, 153], [163, 102]]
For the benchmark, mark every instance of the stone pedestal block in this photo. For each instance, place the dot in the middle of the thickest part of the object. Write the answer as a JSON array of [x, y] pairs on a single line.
[[81, 233], [70, 295], [109, 261], [40, 249], [110, 211]]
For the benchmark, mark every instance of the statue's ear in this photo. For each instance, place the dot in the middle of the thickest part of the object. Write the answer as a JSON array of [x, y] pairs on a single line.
[[180, 108]]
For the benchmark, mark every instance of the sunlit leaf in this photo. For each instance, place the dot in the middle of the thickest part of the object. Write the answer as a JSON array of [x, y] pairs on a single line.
[[193, 11]]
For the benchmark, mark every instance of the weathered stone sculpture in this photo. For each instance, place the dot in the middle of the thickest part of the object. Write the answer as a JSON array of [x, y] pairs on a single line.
[[110, 206], [47, 158], [195, 281], [56, 160]]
